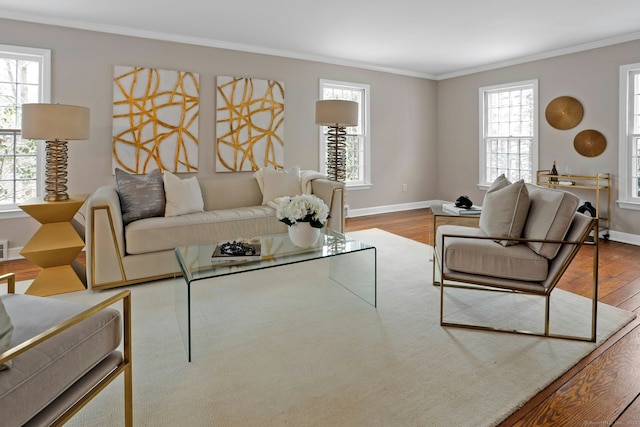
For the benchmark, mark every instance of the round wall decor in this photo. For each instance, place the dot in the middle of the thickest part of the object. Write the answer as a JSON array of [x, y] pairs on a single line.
[[590, 143], [564, 112]]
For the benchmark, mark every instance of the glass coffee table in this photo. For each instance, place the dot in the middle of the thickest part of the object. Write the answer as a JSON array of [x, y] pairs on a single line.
[[351, 264]]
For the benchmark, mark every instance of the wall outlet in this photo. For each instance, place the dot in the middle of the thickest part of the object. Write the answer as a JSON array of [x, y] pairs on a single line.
[[346, 211], [4, 250], [404, 187]]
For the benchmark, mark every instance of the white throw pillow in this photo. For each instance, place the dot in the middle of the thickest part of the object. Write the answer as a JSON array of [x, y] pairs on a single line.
[[6, 329], [183, 195], [504, 210], [280, 183]]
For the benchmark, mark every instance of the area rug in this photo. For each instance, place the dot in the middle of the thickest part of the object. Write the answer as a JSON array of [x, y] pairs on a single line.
[[289, 347]]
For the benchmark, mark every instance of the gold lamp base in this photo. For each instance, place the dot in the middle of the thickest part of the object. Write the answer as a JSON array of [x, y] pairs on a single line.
[[55, 181], [336, 153]]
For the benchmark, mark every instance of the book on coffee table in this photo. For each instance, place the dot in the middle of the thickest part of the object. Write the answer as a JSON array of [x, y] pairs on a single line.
[[223, 252]]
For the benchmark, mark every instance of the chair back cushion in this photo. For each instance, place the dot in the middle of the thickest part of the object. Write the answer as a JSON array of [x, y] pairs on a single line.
[[504, 210], [550, 214]]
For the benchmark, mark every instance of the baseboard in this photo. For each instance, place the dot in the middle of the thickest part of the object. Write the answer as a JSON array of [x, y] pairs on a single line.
[[618, 236]]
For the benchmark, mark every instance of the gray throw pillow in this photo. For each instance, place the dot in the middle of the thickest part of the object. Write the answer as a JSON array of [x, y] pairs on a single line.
[[6, 329], [505, 209], [140, 196]]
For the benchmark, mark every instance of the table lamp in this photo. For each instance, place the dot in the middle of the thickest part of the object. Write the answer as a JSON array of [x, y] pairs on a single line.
[[336, 114], [57, 124]]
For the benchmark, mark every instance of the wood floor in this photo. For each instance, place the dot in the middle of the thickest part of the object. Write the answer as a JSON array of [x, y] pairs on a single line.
[[602, 389]]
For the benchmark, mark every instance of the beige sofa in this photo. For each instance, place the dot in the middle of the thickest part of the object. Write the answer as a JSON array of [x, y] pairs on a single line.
[[143, 250]]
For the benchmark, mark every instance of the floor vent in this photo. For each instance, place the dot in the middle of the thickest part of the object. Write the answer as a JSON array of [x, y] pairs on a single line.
[[4, 250]]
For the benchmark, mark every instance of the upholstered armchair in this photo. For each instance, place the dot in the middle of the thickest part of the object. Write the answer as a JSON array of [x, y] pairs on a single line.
[[526, 239], [60, 355]]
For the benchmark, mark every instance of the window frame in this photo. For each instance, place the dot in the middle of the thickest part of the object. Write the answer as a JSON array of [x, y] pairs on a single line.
[[43, 57], [626, 200], [483, 182], [364, 115]]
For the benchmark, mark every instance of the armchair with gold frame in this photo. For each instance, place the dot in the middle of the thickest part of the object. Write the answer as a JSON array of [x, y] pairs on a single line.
[[78, 350], [582, 233]]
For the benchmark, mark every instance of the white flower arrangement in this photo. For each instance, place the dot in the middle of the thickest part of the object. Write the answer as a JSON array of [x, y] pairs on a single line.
[[303, 208]]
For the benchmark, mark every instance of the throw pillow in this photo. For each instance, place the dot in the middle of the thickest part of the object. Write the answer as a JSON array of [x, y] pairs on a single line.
[[280, 183], [6, 329], [140, 196], [549, 218], [504, 210], [183, 195]]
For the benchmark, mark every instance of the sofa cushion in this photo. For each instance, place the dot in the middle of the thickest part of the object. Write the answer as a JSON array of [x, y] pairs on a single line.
[[39, 375], [504, 209], [279, 183], [159, 234], [550, 215], [488, 258], [6, 328], [140, 196], [183, 195]]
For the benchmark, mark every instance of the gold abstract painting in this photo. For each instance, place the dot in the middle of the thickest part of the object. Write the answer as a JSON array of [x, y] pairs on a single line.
[[155, 120], [249, 124]]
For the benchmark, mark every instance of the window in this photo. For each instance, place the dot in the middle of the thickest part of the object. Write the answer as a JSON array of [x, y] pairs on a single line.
[[509, 132], [24, 78], [358, 157], [629, 150]]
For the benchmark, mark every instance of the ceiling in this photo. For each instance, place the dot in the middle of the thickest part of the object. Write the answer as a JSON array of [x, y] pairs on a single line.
[[425, 38]]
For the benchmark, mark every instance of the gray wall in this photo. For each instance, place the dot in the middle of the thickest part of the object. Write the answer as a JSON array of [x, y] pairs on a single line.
[[591, 76], [403, 109]]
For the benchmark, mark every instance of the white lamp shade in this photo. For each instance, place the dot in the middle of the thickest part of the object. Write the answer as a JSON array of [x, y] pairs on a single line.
[[55, 121], [333, 112]]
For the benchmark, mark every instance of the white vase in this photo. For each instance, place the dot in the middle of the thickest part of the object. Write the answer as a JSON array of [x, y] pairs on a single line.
[[303, 235]]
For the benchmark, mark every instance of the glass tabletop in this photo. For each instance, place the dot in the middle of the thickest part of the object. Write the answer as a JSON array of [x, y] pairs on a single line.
[[196, 261]]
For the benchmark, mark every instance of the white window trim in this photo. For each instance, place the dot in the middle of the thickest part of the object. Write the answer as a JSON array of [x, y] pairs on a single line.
[[625, 199], [44, 57], [366, 140], [482, 162]]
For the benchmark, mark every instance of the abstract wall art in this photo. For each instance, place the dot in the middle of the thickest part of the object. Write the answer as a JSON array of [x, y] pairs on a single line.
[[249, 124], [155, 120]]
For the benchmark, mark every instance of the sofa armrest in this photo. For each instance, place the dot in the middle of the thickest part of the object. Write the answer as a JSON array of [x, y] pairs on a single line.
[[332, 192], [105, 237]]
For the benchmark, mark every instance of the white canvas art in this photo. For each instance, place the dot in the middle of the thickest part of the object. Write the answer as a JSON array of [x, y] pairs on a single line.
[[249, 124], [155, 120]]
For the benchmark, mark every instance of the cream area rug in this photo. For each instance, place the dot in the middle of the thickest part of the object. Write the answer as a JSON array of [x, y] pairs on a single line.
[[289, 347]]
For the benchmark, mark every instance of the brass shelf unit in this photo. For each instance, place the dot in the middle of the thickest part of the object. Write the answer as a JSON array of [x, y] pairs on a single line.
[[598, 183]]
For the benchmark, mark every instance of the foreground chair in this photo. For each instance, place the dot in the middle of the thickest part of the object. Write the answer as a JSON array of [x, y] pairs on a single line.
[[62, 355], [552, 235]]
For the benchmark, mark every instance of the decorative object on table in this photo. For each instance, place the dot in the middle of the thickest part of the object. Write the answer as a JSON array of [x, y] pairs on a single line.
[[588, 207], [590, 143], [236, 251], [464, 202], [554, 172], [336, 115], [453, 209], [57, 124], [305, 215], [564, 112], [155, 119], [249, 124]]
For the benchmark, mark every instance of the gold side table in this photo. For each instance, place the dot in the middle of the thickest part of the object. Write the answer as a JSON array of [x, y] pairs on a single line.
[[55, 246]]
